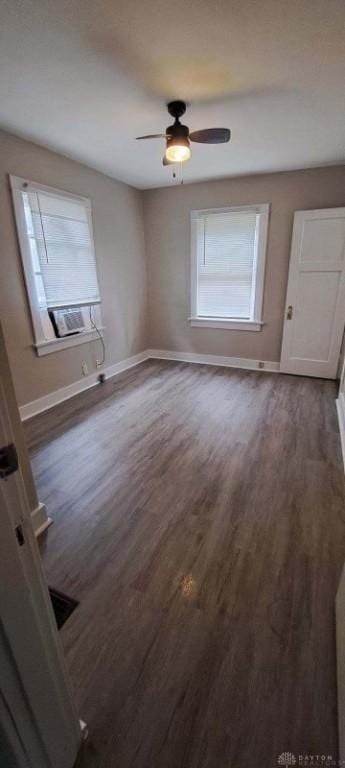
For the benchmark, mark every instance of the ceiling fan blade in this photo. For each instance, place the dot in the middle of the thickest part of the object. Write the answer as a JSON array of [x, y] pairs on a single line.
[[153, 136], [211, 136]]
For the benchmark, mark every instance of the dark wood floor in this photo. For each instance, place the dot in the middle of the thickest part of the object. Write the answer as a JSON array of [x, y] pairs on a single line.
[[199, 519]]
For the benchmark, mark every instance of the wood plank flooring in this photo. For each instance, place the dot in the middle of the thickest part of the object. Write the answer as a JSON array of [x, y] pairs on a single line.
[[200, 520]]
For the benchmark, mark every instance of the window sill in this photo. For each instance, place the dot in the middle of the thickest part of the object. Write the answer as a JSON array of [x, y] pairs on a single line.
[[56, 345], [230, 325]]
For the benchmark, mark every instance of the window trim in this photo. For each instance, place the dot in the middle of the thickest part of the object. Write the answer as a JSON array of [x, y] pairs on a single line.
[[54, 345], [255, 323], [42, 345], [225, 323]]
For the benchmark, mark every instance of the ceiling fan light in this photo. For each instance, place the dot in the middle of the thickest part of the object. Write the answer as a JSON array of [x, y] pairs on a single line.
[[178, 152]]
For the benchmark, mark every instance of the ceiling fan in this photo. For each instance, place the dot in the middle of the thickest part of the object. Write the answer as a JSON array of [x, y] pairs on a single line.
[[178, 137]]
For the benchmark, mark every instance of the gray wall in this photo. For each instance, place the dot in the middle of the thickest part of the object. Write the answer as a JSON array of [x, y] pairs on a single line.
[[167, 234], [117, 212]]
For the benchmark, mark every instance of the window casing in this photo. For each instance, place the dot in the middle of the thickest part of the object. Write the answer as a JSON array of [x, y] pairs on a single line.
[[228, 267], [57, 249]]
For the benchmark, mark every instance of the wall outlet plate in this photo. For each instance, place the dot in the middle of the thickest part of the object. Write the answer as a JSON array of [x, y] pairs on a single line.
[[84, 369]]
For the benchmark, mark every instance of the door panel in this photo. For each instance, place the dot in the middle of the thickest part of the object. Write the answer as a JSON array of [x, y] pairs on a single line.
[[314, 315], [315, 302], [323, 240]]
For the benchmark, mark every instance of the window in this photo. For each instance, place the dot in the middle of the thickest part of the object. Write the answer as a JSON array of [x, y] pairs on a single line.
[[228, 265], [56, 243]]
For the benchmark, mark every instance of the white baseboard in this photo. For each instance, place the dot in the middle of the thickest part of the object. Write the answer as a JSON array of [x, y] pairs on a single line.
[[340, 403], [40, 519], [228, 362], [48, 401]]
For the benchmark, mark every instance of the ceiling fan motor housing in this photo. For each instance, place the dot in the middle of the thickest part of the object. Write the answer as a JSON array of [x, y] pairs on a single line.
[[177, 132]]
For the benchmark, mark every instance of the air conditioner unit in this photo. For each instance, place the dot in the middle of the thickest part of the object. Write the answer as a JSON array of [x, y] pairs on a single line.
[[67, 321]]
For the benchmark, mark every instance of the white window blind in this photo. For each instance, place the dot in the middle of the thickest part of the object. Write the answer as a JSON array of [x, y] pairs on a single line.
[[62, 249], [226, 263]]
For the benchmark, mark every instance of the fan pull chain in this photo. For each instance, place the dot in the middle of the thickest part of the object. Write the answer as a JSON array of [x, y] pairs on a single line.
[[181, 172]]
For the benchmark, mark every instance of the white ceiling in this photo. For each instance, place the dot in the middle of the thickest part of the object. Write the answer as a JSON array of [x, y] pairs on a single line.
[[85, 77]]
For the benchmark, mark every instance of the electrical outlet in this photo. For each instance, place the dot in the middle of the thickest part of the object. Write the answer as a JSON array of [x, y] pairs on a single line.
[[99, 364], [84, 369], [261, 364]]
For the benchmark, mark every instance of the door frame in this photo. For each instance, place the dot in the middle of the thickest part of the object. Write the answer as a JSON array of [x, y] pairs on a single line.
[[37, 712]]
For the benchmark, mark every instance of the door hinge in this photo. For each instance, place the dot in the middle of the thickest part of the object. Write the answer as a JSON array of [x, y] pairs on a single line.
[[8, 460], [289, 313]]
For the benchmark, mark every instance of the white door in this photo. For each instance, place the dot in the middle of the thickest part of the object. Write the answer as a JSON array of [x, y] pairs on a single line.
[[315, 300], [38, 722]]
